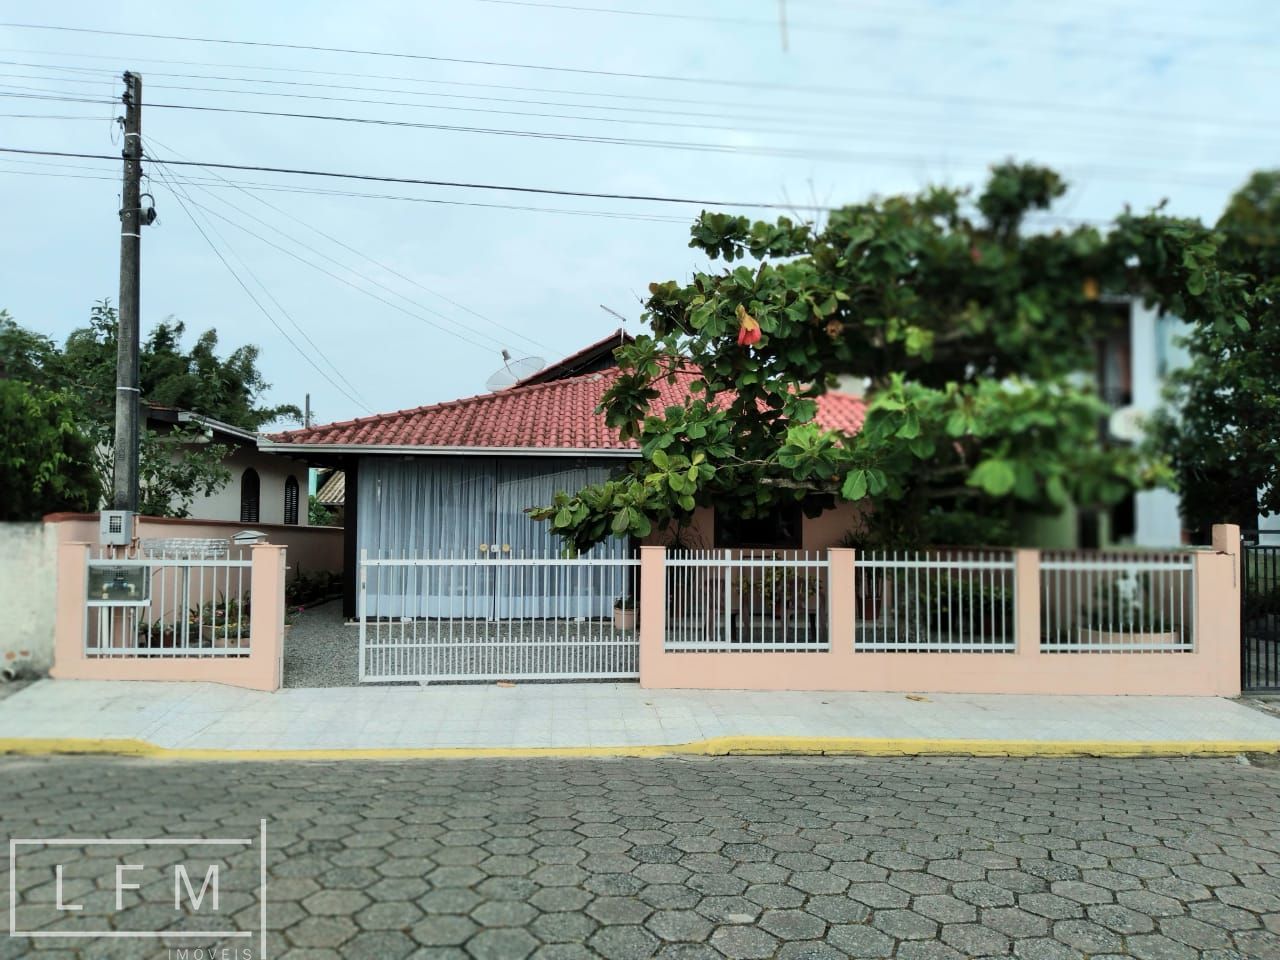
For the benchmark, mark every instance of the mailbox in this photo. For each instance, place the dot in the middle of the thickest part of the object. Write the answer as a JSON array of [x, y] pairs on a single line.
[[115, 585]]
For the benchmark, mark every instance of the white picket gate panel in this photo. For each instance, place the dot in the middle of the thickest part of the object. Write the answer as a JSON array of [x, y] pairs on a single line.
[[498, 618]]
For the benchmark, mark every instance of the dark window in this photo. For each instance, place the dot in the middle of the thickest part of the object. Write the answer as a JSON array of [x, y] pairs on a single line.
[[1124, 518], [250, 491], [781, 527], [291, 500]]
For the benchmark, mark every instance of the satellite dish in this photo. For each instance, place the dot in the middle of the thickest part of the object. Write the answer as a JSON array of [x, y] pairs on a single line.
[[1126, 424], [513, 371]]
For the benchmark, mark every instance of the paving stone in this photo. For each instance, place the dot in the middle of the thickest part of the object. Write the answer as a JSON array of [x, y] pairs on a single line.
[[1087, 936], [503, 913], [566, 927], [1120, 919], [1154, 946], [679, 925], [792, 924], [1195, 933], [501, 945], [387, 915], [1015, 922], [905, 924], [782, 858], [444, 931], [857, 940], [378, 945], [838, 909]]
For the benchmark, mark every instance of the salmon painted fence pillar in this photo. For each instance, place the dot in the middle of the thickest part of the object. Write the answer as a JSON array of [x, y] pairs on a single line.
[[653, 609], [69, 620], [265, 668], [1217, 599], [842, 600], [1026, 602]]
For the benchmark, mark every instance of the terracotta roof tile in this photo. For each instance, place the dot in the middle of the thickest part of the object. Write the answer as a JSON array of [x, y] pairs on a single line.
[[558, 415]]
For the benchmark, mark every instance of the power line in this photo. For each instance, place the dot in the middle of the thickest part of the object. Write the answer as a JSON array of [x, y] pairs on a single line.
[[375, 178], [360, 253], [864, 156], [1090, 112], [1122, 173], [823, 129], [487, 347], [492, 346], [849, 27], [170, 183], [582, 71], [327, 192], [258, 303]]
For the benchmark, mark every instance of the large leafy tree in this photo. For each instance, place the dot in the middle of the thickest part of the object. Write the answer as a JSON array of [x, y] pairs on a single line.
[[1221, 429], [969, 328], [44, 456], [173, 467]]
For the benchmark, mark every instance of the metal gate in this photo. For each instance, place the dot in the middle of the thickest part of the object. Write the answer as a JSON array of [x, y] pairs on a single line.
[[1260, 614], [498, 618]]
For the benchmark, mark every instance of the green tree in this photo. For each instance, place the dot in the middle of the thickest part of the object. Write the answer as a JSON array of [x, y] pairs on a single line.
[[174, 466], [198, 380], [1221, 425], [969, 329], [44, 458]]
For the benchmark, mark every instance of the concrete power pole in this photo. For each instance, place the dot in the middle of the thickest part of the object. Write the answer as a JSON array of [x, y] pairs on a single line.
[[124, 493]]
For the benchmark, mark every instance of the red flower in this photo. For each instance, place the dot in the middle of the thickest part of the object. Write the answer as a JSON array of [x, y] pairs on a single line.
[[748, 328]]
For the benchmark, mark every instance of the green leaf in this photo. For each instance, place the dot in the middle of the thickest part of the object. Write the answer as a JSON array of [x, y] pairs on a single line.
[[995, 477], [855, 485], [1196, 283]]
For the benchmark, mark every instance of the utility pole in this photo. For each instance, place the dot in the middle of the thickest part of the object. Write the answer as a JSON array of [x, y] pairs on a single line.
[[124, 493], [306, 416]]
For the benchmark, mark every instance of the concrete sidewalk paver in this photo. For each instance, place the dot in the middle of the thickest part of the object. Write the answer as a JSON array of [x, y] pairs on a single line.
[[786, 858], [202, 716]]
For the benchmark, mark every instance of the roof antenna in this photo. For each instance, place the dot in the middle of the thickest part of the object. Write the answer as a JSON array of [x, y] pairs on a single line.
[[614, 313], [513, 371]]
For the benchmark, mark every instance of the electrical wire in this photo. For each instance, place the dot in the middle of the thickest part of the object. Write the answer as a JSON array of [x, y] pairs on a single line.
[[546, 191], [327, 192], [168, 181], [871, 157], [490, 347], [360, 253], [1090, 112], [400, 55], [792, 24], [824, 129], [258, 303], [493, 347]]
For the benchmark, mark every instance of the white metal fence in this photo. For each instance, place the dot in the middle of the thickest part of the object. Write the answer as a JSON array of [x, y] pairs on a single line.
[[169, 599], [955, 601], [531, 618], [1117, 603], [732, 601]]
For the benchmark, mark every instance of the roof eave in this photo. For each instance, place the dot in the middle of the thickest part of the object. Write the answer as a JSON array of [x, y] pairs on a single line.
[[435, 451]]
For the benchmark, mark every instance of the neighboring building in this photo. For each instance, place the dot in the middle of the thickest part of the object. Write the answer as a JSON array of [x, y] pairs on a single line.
[[455, 479], [265, 488], [332, 494]]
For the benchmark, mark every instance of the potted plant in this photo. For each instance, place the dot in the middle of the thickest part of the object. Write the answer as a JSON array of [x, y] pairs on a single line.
[[624, 613]]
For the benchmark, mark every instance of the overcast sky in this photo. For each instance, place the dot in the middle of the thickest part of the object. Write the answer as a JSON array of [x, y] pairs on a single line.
[[1135, 100]]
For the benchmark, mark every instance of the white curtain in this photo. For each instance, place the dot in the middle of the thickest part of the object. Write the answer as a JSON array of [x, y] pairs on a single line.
[[474, 508]]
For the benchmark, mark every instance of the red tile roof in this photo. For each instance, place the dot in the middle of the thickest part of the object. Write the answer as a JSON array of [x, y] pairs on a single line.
[[559, 415]]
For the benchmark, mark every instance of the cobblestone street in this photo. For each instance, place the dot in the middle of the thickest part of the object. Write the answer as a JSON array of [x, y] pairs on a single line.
[[732, 857]]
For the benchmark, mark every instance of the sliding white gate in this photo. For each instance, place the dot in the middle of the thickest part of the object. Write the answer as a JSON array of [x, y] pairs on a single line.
[[498, 618]]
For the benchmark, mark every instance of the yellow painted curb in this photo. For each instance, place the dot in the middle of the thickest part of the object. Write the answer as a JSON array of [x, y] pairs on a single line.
[[714, 747]]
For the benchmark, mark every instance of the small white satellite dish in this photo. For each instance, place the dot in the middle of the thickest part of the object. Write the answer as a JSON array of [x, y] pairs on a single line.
[[1126, 424], [513, 371]]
